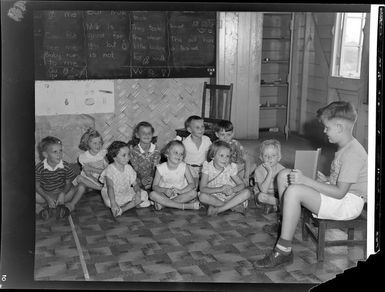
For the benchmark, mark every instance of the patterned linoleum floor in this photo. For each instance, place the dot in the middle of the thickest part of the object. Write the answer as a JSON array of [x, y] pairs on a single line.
[[175, 246]]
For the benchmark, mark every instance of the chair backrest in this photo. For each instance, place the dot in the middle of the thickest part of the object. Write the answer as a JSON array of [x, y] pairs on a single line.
[[307, 162], [220, 101]]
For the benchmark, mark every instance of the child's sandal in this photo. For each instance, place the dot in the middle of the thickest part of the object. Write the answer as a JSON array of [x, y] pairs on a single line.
[[62, 212]]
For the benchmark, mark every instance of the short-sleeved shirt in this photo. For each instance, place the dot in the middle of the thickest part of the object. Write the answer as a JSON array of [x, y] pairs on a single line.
[[97, 161], [224, 178], [237, 152], [350, 165], [51, 179], [261, 173], [172, 177], [122, 181], [144, 163], [194, 155]]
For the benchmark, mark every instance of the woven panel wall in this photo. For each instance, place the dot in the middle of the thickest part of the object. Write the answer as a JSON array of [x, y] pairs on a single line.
[[165, 103]]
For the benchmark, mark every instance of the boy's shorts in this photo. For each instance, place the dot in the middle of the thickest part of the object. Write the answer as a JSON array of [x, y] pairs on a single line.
[[122, 201], [347, 208]]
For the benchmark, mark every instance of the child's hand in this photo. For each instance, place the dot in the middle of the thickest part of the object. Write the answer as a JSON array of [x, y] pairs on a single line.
[[267, 167], [296, 177], [115, 209], [169, 192], [51, 203], [321, 177], [228, 190]]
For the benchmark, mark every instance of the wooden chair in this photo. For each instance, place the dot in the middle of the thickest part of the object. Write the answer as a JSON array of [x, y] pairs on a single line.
[[322, 225], [307, 162], [219, 108], [220, 102]]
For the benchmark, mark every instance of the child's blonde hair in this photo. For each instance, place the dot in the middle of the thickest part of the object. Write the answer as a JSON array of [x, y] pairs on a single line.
[[267, 143], [86, 137], [166, 149]]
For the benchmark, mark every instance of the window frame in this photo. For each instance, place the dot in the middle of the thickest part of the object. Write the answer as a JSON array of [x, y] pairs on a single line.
[[338, 32]]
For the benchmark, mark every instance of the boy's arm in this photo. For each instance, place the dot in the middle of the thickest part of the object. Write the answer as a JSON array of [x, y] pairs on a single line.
[[68, 186], [51, 203], [263, 183]]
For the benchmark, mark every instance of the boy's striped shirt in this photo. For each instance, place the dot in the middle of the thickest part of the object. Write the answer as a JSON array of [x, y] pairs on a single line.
[[52, 180]]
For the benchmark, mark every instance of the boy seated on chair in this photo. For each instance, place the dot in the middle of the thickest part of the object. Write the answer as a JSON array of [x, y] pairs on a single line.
[[339, 197]]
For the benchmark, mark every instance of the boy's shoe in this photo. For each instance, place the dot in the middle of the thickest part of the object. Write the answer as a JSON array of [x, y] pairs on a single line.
[[274, 260], [45, 214], [62, 211]]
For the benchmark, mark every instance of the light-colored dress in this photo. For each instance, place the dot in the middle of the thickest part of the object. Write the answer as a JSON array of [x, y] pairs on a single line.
[[122, 181], [172, 177], [224, 178], [97, 161]]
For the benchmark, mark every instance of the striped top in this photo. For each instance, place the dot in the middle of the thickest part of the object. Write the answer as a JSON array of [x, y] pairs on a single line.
[[51, 180]]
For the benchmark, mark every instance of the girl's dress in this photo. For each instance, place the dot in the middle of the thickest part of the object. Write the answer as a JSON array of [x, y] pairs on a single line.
[[172, 177], [144, 164], [122, 180], [218, 178], [97, 161]]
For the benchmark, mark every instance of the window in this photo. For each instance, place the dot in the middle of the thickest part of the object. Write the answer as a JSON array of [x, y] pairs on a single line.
[[347, 45]]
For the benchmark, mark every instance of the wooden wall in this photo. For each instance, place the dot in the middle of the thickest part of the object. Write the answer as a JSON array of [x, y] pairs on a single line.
[[165, 103], [312, 85], [239, 62]]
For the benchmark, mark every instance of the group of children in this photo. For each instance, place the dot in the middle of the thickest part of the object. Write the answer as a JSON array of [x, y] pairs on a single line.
[[200, 173]]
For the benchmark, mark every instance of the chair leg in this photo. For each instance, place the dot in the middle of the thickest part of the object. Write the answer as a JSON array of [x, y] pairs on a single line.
[[321, 242], [305, 219], [350, 233]]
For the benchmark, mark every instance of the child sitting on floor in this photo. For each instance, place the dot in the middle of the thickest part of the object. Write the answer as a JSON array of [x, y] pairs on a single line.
[[121, 191], [341, 197], [93, 162], [221, 187], [197, 145], [265, 175], [54, 179], [173, 184], [144, 155], [224, 130]]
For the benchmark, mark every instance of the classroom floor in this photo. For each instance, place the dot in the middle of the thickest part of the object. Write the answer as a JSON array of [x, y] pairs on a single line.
[[179, 246]]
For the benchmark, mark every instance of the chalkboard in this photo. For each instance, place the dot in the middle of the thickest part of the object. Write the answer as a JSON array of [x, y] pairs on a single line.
[[101, 44]]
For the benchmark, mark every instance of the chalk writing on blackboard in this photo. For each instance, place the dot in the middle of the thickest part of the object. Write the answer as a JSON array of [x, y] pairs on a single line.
[[105, 44]]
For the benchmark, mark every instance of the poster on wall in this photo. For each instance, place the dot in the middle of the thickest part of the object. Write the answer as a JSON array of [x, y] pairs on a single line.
[[74, 97]]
